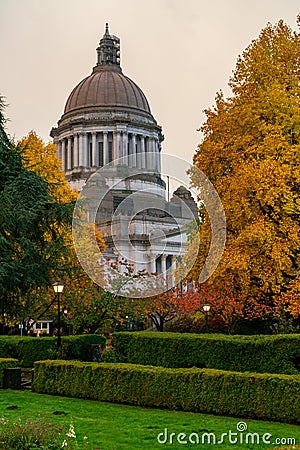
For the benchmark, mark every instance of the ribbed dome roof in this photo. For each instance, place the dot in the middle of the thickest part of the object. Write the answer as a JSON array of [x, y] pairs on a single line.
[[107, 87]]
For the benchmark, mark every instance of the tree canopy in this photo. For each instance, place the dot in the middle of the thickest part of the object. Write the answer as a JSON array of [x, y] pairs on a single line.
[[42, 159], [251, 152], [32, 241]]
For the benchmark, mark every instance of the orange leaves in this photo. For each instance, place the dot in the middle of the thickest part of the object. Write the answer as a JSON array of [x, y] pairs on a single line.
[[251, 152]]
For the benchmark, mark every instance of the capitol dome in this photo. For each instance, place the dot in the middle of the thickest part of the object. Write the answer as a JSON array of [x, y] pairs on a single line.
[[106, 87]]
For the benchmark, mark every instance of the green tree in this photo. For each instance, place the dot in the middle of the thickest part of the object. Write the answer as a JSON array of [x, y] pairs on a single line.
[[32, 240], [251, 153]]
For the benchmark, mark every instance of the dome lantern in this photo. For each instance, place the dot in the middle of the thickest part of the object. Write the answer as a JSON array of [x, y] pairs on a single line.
[[108, 51]]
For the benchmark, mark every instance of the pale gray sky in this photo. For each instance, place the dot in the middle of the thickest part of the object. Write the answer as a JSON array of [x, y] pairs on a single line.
[[180, 53]]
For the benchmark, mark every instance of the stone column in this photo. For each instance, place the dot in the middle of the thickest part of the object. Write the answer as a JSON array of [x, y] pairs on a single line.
[[138, 155], [75, 150], [95, 159], [164, 265], [143, 156], [63, 154], [58, 146], [105, 148], [158, 158], [154, 161], [152, 153], [153, 264], [133, 146], [69, 167], [119, 146], [87, 163], [124, 147], [129, 150], [81, 162], [155, 148], [115, 146], [148, 156], [173, 268]]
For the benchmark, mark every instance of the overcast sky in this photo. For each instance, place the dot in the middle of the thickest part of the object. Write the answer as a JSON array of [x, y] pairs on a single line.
[[180, 53]]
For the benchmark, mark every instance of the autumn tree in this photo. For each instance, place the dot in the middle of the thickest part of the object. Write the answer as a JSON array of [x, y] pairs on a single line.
[[170, 305], [81, 295], [251, 152], [42, 159]]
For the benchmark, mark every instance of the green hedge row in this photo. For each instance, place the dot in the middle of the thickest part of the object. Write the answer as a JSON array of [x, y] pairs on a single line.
[[28, 349], [257, 396], [261, 354], [6, 363]]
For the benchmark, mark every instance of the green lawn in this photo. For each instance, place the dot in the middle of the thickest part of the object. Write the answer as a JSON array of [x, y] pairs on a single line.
[[120, 427]]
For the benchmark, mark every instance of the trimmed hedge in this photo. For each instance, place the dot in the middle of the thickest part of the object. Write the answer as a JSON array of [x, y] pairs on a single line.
[[260, 354], [28, 349], [6, 363], [257, 396]]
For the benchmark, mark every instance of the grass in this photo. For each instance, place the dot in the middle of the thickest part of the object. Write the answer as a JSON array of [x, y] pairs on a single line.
[[120, 427]]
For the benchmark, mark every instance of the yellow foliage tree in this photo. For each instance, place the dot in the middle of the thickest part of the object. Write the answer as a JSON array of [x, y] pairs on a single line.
[[251, 153], [42, 159]]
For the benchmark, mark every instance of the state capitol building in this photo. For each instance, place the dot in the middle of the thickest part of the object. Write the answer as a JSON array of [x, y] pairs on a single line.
[[110, 144]]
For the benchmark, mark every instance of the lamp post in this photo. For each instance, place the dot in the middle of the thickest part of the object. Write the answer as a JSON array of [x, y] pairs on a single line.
[[58, 288], [206, 309]]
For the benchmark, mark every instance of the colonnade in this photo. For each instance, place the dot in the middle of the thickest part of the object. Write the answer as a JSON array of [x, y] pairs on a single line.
[[96, 149], [163, 264]]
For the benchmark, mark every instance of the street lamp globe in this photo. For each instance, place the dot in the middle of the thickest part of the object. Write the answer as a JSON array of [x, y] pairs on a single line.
[[206, 307], [58, 287]]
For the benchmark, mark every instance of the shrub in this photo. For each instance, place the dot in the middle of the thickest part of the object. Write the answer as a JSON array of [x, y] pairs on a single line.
[[9, 346], [257, 396], [262, 354], [109, 355], [6, 363], [28, 350], [79, 347], [39, 434]]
